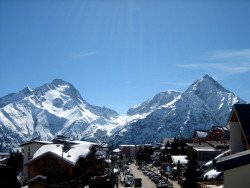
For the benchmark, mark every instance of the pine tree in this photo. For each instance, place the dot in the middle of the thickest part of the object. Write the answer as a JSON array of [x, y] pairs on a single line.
[[15, 160], [191, 173], [175, 145]]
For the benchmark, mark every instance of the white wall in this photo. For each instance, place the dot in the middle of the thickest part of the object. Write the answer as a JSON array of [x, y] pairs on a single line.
[[237, 177], [235, 138], [33, 148]]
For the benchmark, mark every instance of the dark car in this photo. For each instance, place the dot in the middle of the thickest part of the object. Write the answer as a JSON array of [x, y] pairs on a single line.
[[137, 182]]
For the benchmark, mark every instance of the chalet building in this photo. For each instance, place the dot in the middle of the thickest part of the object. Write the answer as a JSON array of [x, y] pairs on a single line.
[[222, 145], [28, 150], [236, 167], [57, 165], [218, 133], [200, 136], [128, 151], [202, 151]]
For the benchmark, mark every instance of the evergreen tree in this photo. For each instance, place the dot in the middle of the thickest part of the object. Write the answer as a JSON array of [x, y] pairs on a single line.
[[169, 159], [167, 149], [183, 147], [175, 145], [15, 160], [191, 173]]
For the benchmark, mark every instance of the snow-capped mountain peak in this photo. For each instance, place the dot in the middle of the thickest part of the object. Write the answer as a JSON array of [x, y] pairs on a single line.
[[204, 104], [150, 105], [53, 108], [205, 84], [58, 108]]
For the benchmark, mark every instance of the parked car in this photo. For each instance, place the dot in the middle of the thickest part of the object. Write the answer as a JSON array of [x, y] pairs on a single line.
[[164, 184], [145, 172], [137, 182], [129, 180], [156, 179]]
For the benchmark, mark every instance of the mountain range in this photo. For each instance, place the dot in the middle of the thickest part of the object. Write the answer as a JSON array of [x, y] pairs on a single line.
[[57, 108]]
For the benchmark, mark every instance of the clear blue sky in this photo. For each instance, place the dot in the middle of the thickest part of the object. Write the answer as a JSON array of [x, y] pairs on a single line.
[[118, 53]]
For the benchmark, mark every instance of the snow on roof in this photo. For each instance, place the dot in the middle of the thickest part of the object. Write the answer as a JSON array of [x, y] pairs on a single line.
[[127, 145], [36, 141], [81, 142], [181, 158], [116, 170], [107, 161], [209, 163], [201, 134], [72, 156], [116, 150], [101, 154], [205, 149], [37, 178], [211, 174]]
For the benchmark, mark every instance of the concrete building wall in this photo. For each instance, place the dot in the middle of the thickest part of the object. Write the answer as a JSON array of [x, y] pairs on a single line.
[[236, 143], [237, 177], [28, 152], [128, 150]]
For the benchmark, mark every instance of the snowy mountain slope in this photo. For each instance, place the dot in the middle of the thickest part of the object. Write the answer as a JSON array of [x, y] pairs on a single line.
[[152, 104], [204, 104], [58, 108], [54, 108]]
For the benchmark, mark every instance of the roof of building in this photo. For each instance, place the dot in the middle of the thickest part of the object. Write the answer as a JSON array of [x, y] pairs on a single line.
[[116, 150], [37, 178], [242, 112], [4, 154], [224, 129], [71, 156], [211, 174], [127, 145], [210, 163], [233, 161], [181, 158], [202, 146], [219, 143], [200, 134], [35, 141]]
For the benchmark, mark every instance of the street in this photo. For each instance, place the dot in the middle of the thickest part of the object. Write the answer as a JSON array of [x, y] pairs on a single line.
[[146, 182]]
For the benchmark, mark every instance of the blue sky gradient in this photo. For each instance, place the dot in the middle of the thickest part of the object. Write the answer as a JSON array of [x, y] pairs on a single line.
[[120, 53]]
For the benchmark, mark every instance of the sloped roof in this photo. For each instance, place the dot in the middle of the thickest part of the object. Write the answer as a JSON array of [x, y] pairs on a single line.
[[233, 161], [213, 173], [210, 163], [71, 156], [242, 112], [37, 178], [181, 158], [201, 134], [35, 141]]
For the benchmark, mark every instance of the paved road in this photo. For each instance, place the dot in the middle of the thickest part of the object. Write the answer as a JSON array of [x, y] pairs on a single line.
[[146, 182]]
